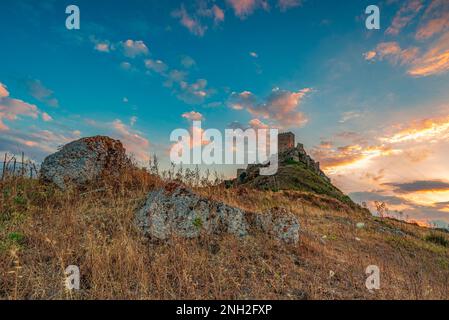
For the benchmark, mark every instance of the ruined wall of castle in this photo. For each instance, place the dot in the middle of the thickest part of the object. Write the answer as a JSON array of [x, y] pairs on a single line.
[[286, 141], [289, 152]]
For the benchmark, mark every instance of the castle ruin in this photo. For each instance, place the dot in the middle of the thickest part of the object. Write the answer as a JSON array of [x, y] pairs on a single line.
[[286, 141]]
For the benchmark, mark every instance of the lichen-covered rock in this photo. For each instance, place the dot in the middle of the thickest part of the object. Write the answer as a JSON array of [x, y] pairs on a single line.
[[280, 224], [84, 161], [175, 210]]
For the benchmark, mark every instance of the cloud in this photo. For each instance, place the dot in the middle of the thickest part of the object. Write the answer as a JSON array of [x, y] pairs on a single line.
[[435, 20], [157, 66], [103, 47], [219, 15], [257, 124], [404, 16], [284, 5], [36, 144], [187, 62], [193, 116], [198, 19], [350, 115], [434, 61], [406, 164], [46, 117], [3, 91], [133, 140], [402, 140], [191, 23], [369, 55], [281, 106], [132, 48], [393, 52], [254, 54], [426, 58], [13, 109], [244, 8], [38, 91], [125, 66], [420, 186], [214, 12], [420, 130], [194, 93]]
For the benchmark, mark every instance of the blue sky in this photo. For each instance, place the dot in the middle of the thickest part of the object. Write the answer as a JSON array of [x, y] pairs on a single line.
[[136, 70]]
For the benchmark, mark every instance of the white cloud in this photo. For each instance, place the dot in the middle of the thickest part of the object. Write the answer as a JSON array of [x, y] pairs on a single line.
[[134, 48], [193, 116]]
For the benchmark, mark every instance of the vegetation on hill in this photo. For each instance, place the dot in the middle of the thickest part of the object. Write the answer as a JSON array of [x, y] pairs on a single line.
[[293, 175], [43, 230]]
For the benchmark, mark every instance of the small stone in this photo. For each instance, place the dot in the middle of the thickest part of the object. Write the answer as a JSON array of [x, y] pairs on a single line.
[[360, 225]]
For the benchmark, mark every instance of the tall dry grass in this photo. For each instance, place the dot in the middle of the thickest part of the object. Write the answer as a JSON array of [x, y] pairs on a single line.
[[43, 230]]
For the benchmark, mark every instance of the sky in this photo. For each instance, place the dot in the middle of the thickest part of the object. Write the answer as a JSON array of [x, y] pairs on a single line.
[[371, 105]]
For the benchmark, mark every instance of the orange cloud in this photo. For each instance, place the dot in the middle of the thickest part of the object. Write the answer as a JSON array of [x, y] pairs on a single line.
[[3, 91], [243, 8], [404, 16], [133, 141], [434, 61], [190, 22], [12, 109], [425, 129], [435, 20], [281, 106]]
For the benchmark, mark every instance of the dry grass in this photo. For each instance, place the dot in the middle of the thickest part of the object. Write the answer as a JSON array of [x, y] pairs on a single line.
[[43, 230]]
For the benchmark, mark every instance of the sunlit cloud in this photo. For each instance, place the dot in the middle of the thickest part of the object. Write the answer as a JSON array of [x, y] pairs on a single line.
[[3, 91], [280, 107], [12, 109], [193, 116], [435, 20], [134, 48], [404, 16]]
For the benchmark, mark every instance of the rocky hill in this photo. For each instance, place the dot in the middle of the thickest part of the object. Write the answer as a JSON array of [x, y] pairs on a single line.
[[297, 171]]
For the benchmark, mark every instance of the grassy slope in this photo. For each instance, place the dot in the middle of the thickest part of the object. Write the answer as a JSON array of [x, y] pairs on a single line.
[[296, 176], [43, 230]]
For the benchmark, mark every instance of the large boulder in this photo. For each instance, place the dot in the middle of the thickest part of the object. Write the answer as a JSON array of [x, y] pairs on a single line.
[[176, 210], [279, 223], [85, 160]]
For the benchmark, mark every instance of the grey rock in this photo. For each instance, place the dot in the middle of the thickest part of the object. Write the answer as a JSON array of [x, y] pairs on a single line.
[[280, 224], [176, 210], [182, 213], [84, 161]]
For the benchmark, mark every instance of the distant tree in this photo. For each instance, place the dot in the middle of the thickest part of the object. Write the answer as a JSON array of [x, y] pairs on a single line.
[[381, 208]]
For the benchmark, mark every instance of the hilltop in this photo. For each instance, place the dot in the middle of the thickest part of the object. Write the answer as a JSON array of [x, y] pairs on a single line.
[[297, 171]]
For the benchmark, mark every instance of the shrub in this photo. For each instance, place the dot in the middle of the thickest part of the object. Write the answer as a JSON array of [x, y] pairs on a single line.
[[437, 239]]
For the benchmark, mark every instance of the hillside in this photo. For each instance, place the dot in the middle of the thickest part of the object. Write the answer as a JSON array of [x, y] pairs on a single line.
[[297, 171], [44, 229]]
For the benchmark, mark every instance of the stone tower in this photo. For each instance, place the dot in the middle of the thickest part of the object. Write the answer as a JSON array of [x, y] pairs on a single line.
[[286, 141]]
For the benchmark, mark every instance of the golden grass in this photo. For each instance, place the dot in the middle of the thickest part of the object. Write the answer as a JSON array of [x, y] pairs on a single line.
[[43, 230]]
